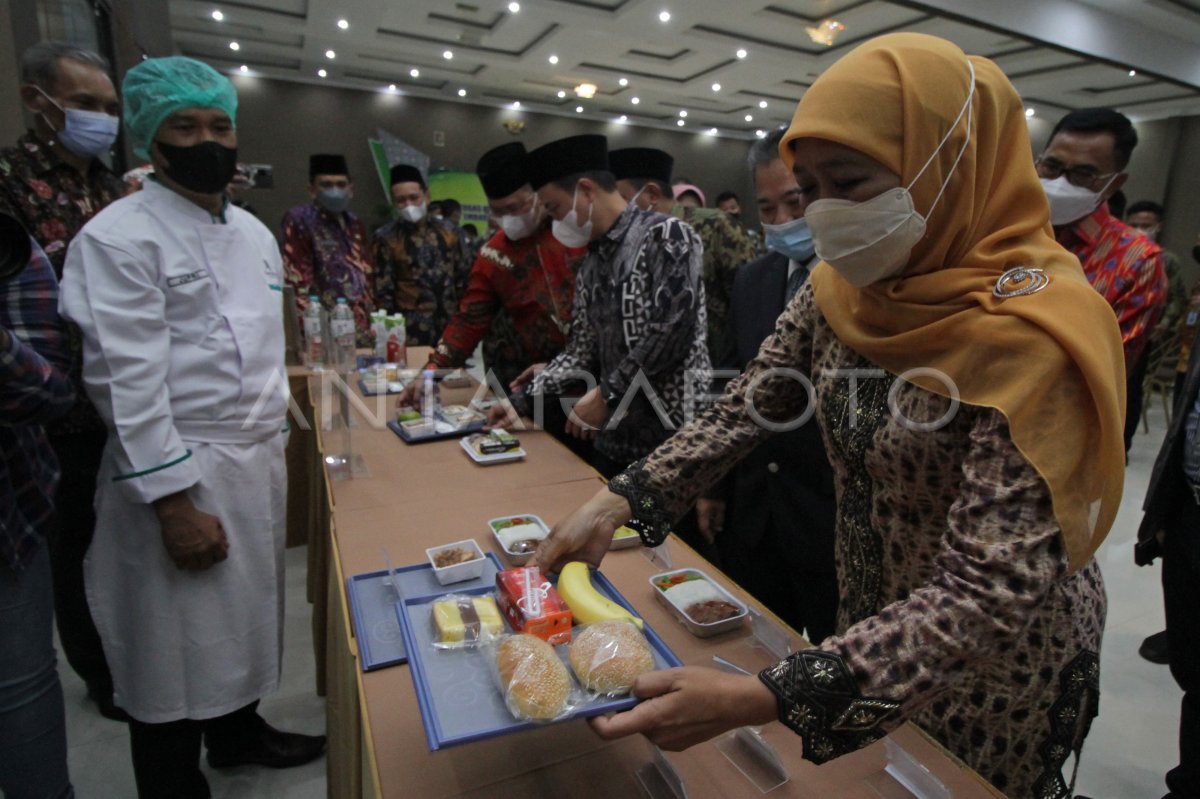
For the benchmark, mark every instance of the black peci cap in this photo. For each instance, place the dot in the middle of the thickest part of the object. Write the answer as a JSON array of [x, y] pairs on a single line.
[[502, 170], [569, 156], [407, 173], [327, 164], [641, 163]]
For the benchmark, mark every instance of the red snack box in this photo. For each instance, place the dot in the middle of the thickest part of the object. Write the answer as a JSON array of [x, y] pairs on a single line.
[[532, 605]]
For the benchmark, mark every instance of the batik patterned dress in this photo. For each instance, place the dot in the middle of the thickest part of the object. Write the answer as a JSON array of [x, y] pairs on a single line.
[[421, 271], [957, 608]]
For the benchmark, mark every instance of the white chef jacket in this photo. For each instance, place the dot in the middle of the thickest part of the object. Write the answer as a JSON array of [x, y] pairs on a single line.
[[181, 315]]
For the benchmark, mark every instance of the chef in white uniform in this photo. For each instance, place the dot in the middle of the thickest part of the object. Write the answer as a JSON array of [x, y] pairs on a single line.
[[178, 295]]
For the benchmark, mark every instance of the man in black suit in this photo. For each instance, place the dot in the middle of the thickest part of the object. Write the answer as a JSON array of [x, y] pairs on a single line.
[[773, 518], [1171, 530]]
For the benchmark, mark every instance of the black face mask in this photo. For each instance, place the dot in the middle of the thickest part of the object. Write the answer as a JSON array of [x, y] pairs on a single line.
[[203, 168]]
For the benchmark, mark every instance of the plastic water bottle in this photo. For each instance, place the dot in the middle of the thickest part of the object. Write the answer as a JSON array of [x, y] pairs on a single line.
[[313, 335], [341, 325], [430, 396]]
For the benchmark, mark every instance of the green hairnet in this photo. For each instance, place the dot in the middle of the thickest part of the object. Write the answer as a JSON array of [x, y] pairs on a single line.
[[158, 87]]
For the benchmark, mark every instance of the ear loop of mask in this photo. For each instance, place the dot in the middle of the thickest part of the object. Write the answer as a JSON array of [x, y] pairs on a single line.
[[56, 105], [575, 202], [969, 111], [633, 199]]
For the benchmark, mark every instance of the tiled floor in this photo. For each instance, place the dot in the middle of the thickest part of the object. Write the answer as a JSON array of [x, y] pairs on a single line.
[[1131, 746]]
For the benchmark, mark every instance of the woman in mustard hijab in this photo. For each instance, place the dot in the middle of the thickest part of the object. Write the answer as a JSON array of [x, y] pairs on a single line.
[[968, 383]]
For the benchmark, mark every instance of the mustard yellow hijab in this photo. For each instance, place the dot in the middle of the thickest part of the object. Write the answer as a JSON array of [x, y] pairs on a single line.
[[1050, 361]]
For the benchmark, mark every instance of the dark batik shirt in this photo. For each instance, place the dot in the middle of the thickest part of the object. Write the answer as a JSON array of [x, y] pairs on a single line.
[[54, 201], [640, 329], [327, 254], [421, 271]]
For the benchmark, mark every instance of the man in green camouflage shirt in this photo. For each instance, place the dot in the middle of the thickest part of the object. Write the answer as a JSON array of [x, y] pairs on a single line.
[[644, 178]]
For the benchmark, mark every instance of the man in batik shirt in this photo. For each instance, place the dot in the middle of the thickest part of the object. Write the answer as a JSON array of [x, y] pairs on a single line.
[[53, 182], [325, 245], [639, 316], [644, 176], [421, 263]]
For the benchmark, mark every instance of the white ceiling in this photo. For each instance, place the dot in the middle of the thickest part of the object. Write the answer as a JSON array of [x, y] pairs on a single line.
[[500, 57]]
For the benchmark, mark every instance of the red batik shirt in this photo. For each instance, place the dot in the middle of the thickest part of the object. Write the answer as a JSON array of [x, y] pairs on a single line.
[[532, 281], [1126, 268]]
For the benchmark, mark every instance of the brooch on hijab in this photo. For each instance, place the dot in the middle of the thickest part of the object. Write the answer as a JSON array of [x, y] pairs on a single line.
[[1019, 281]]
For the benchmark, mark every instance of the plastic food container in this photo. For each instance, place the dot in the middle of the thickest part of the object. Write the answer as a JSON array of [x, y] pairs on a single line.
[[498, 526], [467, 570], [679, 603]]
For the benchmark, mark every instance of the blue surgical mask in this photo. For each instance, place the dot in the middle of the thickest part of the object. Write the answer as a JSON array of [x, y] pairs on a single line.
[[85, 133], [333, 199], [792, 239]]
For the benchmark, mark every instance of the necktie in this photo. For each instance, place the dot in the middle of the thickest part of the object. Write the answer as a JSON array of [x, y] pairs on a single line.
[[794, 282]]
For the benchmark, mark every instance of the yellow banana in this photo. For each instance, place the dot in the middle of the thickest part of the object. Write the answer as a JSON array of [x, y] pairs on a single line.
[[587, 604]]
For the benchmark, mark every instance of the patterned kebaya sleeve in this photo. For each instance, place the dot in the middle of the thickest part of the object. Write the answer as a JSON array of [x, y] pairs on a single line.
[[1001, 555], [663, 486], [298, 257], [670, 263]]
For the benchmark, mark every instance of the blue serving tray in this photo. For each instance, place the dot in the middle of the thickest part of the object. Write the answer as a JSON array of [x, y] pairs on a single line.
[[373, 607], [458, 432], [456, 693]]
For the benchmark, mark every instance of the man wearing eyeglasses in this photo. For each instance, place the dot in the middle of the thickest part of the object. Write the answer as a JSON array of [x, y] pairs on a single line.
[[1082, 166]]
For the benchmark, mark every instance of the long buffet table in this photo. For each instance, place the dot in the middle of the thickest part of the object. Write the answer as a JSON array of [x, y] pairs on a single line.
[[417, 496]]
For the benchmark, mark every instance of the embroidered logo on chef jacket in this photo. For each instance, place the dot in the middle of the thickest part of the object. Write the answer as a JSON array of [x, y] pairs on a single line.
[[190, 277]]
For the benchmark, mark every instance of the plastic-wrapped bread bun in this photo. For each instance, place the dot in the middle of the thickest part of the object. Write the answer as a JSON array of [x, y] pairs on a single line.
[[609, 655], [534, 681]]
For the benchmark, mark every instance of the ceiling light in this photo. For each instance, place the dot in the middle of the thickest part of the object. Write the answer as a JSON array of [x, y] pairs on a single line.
[[741, 53], [664, 16], [762, 134], [1029, 112], [634, 100], [682, 114], [623, 82], [343, 24], [716, 87], [749, 117], [516, 104], [321, 73], [713, 131], [680, 123], [578, 109], [234, 46], [218, 16], [391, 87], [447, 54], [1132, 73], [553, 59], [514, 8], [825, 31], [586, 90], [561, 94], [414, 72], [762, 103], [330, 54], [622, 118], [244, 68]]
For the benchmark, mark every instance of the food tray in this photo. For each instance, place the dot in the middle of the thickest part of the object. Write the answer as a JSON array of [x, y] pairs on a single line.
[[456, 691], [444, 430], [393, 387], [694, 627], [373, 607], [495, 525], [495, 457]]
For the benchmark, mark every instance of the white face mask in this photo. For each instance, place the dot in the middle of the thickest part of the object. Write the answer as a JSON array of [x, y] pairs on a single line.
[[413, 213], [1068, 202], [85, 133], [871, 240], [520, 226], [568, 231]]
